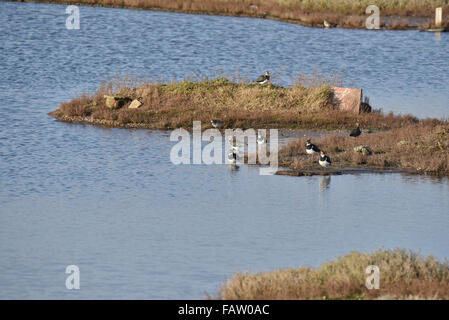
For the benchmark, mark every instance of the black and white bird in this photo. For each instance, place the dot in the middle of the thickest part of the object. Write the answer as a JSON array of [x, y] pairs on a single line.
[[261, 139], [263, 79], [216, 123], [328, 24], [356, 132], [235, 146], [324, 160], [311, 148], [232, 156]]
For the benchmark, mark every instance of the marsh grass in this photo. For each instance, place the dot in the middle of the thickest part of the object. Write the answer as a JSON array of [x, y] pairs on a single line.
[[422, 147], [403, 275], [240, 104], [345, 13]]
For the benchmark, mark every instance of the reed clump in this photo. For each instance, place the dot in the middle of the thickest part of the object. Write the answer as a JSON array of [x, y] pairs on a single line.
[[421, 148], [403, 275], [344, 13]]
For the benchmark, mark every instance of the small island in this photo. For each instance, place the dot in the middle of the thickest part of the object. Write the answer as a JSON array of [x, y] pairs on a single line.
[[387, 143]]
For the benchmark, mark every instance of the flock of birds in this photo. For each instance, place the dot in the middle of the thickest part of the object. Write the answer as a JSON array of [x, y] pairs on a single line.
[[311, 149], [324, 159]]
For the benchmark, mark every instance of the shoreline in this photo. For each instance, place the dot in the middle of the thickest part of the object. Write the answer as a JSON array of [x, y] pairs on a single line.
[[305, 17], [404, 274], [387, 142]]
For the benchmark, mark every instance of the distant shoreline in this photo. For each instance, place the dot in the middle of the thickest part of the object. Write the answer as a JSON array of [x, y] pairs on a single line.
[[411, 18]]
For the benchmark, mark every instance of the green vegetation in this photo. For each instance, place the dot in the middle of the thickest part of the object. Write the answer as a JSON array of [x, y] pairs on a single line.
[[344, 13], [403, 275]]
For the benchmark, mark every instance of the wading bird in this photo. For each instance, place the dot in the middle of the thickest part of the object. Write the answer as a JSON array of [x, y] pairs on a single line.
[[311, 148], [232, 156], [216, 123], [328, 24], [263, 79], [261, 139], [356, 132], [324, 160]]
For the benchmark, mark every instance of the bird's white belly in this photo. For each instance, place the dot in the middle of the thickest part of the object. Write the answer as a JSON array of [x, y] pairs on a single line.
[[323, 163], [310, 151]]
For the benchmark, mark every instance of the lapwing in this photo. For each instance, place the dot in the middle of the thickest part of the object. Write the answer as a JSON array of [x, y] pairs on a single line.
[[216, 123], [261, 139], [324, 160], [234, 145], [232, 156], [311, 148], [356, 132], [263, 79]]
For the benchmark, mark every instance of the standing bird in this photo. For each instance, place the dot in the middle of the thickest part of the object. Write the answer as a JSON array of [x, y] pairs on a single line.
[[311, 148], [216, 123], [263, 79], [324, 160], [356, 132], [261, 139], [232, 156], [328, 24]]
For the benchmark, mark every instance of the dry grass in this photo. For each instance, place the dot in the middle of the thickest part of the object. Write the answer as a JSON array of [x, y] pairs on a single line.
[[403, 275], [344, 13], [238, 104], [421, 147]]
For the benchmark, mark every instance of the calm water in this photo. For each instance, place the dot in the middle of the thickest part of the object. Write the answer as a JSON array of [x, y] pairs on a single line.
[[111, 202]]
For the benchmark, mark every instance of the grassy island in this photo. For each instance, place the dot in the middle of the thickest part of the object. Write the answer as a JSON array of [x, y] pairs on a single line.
[[387, 141], [401, 14], [402, 275]]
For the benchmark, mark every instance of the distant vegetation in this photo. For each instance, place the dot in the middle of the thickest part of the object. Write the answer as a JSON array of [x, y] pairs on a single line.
[[403, 275], [344, 13]]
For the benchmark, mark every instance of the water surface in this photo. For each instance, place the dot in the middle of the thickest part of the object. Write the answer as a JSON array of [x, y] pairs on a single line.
[[111, 202]]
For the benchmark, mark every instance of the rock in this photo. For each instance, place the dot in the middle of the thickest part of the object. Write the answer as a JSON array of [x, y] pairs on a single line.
[[110, 101], [365, 150], [347, 99], [135, 104], [115, 102]]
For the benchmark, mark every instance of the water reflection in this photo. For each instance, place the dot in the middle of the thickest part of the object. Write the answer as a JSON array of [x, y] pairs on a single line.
[[324, 182]]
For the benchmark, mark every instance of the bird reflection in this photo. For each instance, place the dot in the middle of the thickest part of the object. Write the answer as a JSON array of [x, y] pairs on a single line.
[[324, 183]]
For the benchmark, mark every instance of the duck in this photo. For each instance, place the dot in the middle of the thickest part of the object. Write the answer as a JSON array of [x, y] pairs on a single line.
[[311, 148], [324, 160], [356, 132], [263, 79], [216, 123], [261, 139]]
